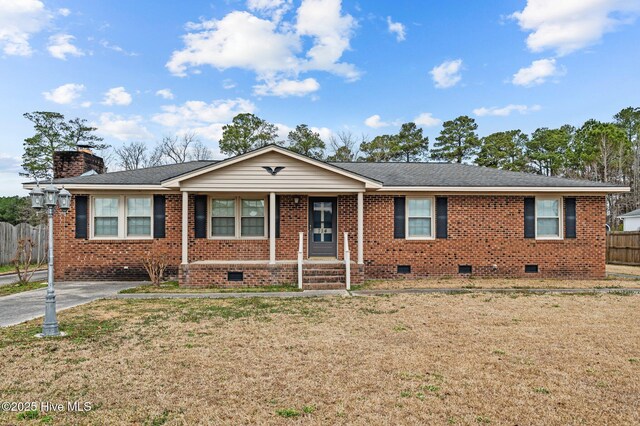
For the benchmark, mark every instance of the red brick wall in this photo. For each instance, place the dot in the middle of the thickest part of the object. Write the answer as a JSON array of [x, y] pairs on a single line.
[[74, 163], [80, 259], [485, 231]]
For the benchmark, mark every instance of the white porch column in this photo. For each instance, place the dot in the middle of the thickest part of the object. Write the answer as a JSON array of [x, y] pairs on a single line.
[[272, 228], [360, 228], [185, 227]]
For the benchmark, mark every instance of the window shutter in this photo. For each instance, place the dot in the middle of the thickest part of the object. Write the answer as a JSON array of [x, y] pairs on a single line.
[[529, 217], [159, 209], [200, 220], [441, 217], [570, 217], [277, 216], [399, 207], [81, 216]]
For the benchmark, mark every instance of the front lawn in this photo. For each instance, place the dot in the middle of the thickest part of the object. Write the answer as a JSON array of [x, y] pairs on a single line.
[[402, 359], [172, 287], [502, 283], [8, 289]]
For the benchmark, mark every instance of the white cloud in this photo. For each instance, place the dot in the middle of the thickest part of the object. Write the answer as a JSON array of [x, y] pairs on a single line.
[[204, 118], [276, 51], [447, 74], [85, 104], [375, 122], [397, 28], [165, 93], [569, 25], [19, 20], [426, 119], [227, 83], [60, 46], [324, 132], [121, 128], [284, 88], [64, 11], [283, 131], [331, 31], [116, 48], [537, 73], [505, 111], [65, 94], [275, 9], [117, 96]]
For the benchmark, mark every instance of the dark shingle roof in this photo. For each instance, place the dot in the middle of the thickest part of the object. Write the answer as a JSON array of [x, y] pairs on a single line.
[[148, 176], [447, 174], [390, 174]]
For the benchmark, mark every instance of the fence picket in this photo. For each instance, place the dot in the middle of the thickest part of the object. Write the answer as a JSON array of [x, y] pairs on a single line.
[[10, 235]]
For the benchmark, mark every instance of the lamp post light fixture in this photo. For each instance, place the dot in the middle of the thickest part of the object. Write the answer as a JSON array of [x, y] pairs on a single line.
[[49, 199]]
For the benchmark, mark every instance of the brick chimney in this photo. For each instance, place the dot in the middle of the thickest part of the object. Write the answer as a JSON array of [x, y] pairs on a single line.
[[75, 163]]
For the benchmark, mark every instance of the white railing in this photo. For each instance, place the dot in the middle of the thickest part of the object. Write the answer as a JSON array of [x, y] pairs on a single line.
[[347, 261], [300, 249]]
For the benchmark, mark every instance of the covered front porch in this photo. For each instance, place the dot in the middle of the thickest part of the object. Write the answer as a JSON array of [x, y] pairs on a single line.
[[271, 217], [252, 239]]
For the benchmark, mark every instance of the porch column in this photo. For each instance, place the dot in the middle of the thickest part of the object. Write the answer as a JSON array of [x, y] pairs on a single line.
[[360, 228], [272, 228], [185, 227]]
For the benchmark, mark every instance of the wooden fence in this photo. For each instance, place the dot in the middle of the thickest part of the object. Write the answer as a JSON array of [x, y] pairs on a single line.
[[623, 248], [10, 235]]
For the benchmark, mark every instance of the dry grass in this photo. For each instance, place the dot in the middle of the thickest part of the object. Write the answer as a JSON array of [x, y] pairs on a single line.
[[173, 287], [506, 283], [404, 359], [624, 269]]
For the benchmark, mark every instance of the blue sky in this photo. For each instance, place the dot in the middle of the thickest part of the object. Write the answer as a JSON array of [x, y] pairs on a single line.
[[139, 70]]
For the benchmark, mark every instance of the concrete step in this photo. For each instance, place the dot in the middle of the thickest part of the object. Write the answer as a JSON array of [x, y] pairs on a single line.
[[323, 286], [324, 279]]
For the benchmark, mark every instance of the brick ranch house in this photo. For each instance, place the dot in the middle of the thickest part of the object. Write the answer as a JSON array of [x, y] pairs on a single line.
[[262, 217]]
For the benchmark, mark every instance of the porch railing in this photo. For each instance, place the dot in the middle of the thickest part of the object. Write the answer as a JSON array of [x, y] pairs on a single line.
[[347, 261], [300, 256]]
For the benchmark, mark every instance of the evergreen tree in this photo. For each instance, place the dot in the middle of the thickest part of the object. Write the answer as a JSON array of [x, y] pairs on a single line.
[[307, 142], [246, 133], [458, 140]]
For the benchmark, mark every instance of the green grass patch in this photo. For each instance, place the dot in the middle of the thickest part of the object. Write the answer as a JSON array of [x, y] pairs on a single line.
[[11, 268], [288, 412], [173, 287], [8, 289]]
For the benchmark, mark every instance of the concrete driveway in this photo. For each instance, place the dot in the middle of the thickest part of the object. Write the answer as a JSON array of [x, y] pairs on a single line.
[[21, 307]]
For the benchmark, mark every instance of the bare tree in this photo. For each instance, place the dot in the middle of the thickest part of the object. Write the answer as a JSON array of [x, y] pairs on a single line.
[[175, 149], [200, 152], [345, 146], [132, 156]]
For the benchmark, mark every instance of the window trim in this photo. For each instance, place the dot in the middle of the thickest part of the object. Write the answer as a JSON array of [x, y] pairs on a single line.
[[122, 218], [560, 200], [238, 217], [432, 235]]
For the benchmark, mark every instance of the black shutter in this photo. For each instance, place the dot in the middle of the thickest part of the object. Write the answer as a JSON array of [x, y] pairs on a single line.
[[529, 217], [200, 219], [441, 217], [159, 202], [277, 216], [399, 208], [570, 218], [81, 216]]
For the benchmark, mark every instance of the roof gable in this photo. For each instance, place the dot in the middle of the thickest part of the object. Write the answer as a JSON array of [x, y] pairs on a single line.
[[248, 171]]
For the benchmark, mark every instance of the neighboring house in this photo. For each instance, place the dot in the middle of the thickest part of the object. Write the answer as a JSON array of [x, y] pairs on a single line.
[[241, 221], [631, 221]]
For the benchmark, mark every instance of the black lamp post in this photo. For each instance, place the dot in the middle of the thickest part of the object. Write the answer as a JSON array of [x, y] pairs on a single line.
[[48, 199]]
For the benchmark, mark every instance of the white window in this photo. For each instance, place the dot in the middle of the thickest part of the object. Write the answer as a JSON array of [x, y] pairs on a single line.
[[548, 213], [419, 218], [139, 216], [252, 219], [122, 217], [106, 215], [223, 218], [238, 218]]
